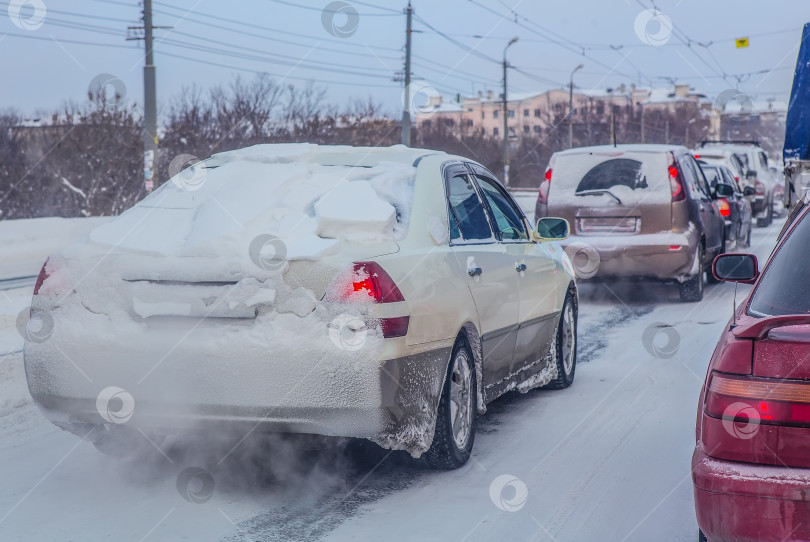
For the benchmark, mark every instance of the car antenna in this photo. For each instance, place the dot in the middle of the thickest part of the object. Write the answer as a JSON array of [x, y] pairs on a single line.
[[734, 311]]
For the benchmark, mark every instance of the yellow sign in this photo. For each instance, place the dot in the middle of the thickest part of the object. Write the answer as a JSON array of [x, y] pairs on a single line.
[[741, 42]]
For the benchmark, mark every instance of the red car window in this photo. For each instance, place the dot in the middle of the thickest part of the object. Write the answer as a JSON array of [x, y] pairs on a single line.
[[785, 288]]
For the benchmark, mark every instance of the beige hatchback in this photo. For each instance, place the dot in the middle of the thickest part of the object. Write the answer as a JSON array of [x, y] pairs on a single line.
[[384, 293], [637, 211]]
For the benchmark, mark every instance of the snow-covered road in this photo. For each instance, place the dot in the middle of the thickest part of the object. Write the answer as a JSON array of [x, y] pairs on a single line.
[[607, 459]]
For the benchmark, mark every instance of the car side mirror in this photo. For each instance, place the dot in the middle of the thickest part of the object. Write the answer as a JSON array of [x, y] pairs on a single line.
[[750, 174], [749, 191], [742, 268], [722, 190], [551, 229]]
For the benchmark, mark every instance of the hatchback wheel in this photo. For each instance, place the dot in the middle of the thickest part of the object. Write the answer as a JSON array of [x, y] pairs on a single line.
[[456, 418], [692, 289], [566, 347], [709, 275]]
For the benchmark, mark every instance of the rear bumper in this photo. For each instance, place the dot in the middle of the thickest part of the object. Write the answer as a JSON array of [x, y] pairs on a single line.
[[740, 502], [238, 376], [643, 256]]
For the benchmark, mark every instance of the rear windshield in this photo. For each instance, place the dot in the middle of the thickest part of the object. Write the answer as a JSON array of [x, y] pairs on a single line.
[[614, 172], [628, 176], [784, 288]]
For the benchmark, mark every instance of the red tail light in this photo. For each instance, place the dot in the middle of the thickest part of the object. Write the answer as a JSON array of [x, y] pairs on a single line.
[[758, 400], [368, 282], [676, 184], [725, 208], [43, 275], [697, 156], [542, 195]]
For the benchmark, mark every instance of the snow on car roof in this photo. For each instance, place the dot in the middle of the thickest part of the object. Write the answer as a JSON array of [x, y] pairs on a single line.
[[649, 147], [343, 155]]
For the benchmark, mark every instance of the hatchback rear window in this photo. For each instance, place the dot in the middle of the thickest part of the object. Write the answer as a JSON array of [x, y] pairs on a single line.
[[615, 172], [784, 288], [629, 177]]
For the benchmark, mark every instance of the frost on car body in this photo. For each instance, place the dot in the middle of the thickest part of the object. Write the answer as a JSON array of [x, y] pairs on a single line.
[[263, 298]]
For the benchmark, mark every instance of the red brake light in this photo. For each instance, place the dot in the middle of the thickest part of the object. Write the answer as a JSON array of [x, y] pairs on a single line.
[[548, 175], [767, 401], [370, 278], [725, 208], [697, 156], [369, 283], [675, 184], [43, 275]]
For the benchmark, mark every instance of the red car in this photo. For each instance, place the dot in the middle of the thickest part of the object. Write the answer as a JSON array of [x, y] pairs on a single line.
[[751, 465]]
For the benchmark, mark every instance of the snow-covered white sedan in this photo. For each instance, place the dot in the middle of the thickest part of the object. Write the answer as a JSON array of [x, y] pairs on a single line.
[[384, 293]]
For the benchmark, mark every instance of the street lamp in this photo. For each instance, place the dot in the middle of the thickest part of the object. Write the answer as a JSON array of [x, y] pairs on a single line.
[[506, 115], [571, 106]]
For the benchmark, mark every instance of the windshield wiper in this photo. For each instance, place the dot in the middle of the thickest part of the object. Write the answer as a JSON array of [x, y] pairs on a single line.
[[598, 193]]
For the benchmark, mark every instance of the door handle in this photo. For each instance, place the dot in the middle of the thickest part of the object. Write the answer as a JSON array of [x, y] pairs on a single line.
[[520, 267], [474, 271]]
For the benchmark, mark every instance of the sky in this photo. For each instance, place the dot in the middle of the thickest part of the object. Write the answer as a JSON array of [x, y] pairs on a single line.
[[51, 50]]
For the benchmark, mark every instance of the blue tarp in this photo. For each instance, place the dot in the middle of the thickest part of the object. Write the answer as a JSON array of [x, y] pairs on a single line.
[[797, 132]]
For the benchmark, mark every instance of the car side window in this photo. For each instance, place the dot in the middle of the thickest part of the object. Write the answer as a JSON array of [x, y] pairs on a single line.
[[689, 176], [763, 160], [507, 219], [468, 221], [701, 186]]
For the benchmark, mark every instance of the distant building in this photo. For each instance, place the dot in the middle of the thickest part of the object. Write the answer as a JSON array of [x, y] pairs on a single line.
[[534, 113]]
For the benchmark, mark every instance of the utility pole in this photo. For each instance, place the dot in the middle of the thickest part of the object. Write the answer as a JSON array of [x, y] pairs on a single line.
[[612, 124], [571, 107], [642, 124], [506, 115], [150, 137], [406, 113], [666, 132]]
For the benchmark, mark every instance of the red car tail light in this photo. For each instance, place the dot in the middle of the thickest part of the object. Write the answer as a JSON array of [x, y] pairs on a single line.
[[369, 279], [675, 181], [758, 400], [368, 282], [42, 277], [725, 208]]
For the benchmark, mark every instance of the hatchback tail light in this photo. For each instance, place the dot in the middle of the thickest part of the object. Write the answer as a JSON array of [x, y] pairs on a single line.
[[758, 400], [368, 282], [725, 208], [41, 278], [676, 183]]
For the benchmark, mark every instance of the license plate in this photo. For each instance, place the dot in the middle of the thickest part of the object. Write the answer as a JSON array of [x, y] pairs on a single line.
[[607, 225]]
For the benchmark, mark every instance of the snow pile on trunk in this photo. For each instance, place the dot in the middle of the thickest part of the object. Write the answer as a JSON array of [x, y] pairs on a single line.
[[215, 207]]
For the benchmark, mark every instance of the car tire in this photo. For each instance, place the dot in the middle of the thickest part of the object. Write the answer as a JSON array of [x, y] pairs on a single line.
[[452, 445], [692, 290], [709, 275], [566, 346], [747, 242], [702, 537]]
